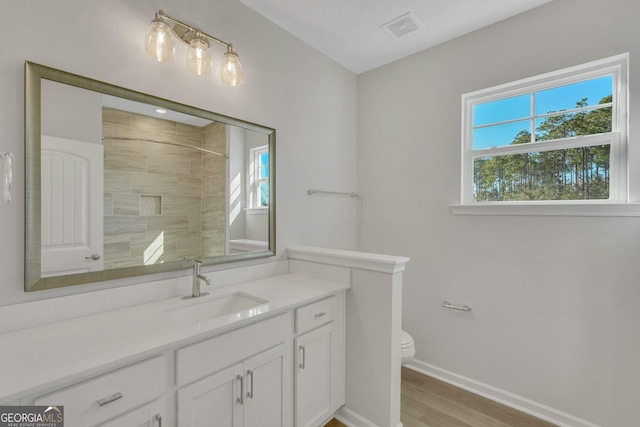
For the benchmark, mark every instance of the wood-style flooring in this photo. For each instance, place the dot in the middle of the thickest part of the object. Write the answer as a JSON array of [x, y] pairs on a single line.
[[428, 402]]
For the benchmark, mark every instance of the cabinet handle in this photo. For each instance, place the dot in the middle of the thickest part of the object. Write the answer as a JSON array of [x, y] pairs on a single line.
[[107, 400], [158, 418], [93, 257], [250, 392], [319, 315], [304, 357], [240, 400]]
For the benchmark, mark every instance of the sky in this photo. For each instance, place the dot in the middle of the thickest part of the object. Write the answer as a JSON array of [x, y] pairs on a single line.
[[519, 107]]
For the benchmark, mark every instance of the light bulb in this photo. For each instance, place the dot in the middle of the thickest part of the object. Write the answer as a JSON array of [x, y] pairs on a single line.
[[198, 57], [231, 72], [159, 43]]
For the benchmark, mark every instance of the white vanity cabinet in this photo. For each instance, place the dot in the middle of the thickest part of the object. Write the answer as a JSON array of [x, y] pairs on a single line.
[[249, 394], [284, 369], [93, 402], [320, 361], [245, 378]]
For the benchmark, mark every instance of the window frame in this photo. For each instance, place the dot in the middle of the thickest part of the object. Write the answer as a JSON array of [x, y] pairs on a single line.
[[617, 138], [254, 180]]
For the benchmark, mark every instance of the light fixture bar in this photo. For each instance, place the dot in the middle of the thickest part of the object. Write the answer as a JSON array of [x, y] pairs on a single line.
[[188, 28], [159, 46]]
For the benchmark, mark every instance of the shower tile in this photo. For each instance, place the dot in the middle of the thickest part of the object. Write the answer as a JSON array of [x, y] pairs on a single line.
[[181, 205], [171, 226], [152, 124], [117, 250], [189, 186], [125, 162], [129, 226], [117, 181], [153, 183], [115, 116], [108, 204], [189, 131], [126, 204], [152, 248]]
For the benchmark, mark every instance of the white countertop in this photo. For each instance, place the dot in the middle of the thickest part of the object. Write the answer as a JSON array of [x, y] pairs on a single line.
[[64, 352]]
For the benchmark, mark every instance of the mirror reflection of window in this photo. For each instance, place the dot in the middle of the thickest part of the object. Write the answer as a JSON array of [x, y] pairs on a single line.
[[260, 177]]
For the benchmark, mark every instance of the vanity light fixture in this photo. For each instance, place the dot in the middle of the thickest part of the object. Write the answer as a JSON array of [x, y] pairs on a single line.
[[159, 45]]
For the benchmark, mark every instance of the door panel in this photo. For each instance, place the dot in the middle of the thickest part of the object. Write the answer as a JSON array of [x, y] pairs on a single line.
[[265, 389], [213, 401], [313, 376], [72, 206]]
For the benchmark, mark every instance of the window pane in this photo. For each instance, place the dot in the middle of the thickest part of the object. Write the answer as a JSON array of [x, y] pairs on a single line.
[[517, 107], [263, 166], [569, 174], [264, 172], [581, 94], [588, 122], [264, 194], [501, 135]]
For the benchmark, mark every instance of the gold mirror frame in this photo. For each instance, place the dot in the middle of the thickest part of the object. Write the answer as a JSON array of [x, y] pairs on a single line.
[[34, 73]]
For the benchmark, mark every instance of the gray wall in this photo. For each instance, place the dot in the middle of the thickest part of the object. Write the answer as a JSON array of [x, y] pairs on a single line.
[[554, 299]]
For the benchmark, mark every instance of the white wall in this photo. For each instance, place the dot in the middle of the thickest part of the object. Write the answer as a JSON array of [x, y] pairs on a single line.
[[237, 182], [307, 98], [555, 299]]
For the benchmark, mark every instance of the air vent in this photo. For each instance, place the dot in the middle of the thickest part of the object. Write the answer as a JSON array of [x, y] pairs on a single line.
[[401, 26]]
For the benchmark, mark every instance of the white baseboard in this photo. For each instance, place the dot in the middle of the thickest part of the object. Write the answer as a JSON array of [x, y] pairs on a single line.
[[520, 403], [351, 418]]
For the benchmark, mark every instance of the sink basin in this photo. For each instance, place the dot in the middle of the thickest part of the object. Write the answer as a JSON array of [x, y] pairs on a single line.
[[235, 306]]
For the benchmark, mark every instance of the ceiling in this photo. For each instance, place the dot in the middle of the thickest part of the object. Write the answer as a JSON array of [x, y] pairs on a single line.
[[348, 31]]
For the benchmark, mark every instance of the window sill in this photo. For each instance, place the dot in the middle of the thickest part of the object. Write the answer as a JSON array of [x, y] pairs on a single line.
[[548, 209], [257, 211]]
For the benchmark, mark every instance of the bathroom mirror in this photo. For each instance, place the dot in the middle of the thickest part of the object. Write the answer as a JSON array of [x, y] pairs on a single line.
[[121, 184]]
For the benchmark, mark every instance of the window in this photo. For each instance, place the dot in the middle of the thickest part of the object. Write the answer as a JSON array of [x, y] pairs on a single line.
[[259, 177], [556, 138]]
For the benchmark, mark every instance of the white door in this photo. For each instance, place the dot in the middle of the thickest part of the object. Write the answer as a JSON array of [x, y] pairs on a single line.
[[313, 377], [265, 389], [72, 213], [215, 401]]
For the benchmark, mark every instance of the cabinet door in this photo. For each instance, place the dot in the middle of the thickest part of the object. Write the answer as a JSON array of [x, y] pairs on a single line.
[[313, 376], [215, 401], [265, 389]]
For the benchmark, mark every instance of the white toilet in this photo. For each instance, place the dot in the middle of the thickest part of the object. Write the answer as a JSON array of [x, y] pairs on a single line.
[[408, 348]]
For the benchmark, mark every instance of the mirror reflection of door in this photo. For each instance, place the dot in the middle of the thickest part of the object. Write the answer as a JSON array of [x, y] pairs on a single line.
[[72, 206]]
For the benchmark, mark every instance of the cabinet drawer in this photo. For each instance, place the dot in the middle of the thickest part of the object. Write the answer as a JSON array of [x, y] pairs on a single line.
[[109, 395], [207, 357], [316, 314]]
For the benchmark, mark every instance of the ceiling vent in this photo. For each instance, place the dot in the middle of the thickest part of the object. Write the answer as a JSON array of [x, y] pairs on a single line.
[[401, 26]]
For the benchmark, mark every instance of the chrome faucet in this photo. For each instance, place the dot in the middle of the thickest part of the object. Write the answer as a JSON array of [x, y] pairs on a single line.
[[197, 277]]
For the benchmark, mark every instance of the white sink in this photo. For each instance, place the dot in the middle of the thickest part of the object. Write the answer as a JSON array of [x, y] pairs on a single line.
[[235, 306]]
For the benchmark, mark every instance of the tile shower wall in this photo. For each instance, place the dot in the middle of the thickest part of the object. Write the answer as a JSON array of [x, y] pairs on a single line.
[[154, 194]]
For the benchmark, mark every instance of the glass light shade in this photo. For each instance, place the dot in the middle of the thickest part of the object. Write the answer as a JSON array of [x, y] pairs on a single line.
[[231, 72], [198, 57], [159, 43]]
